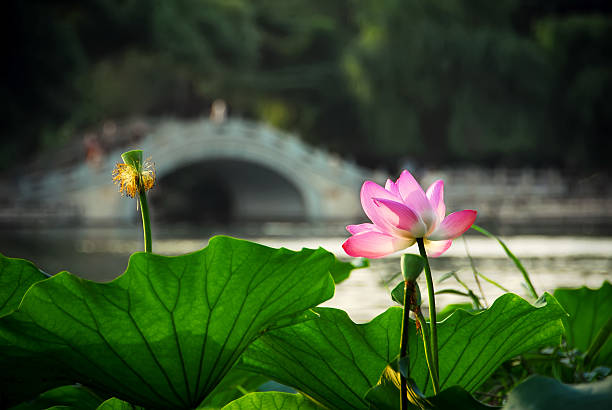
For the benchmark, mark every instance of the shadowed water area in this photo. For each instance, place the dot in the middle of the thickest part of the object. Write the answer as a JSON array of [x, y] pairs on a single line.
[[553, 261]]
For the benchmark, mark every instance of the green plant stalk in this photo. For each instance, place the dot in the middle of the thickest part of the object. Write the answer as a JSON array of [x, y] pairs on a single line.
[[134, 159], [146, 220], [433, 324], [427, 345], [474, 271], [492, 282], [599, 341], [470, 294], [462, 283], [516, 260], [404, 347], [475, 300]]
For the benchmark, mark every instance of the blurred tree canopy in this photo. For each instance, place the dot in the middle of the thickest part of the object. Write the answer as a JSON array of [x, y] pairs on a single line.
[[511, 82]]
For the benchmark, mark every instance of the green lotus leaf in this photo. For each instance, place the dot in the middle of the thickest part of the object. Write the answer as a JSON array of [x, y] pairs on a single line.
[[169, 329], [341, 270], [233, 386], [16, 277], [24, 374], [336, 361], [272, 400], [117, 404], [75, 397], [473, 345], [545, 393], [331, 358], [452, 308], [589, 310]]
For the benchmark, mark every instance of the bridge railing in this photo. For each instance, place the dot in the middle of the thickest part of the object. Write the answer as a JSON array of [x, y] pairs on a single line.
[[164, 137]]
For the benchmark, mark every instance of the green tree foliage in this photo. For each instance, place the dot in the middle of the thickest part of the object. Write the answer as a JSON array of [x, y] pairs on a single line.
[[510, 82], [578, 45], [448, 80]]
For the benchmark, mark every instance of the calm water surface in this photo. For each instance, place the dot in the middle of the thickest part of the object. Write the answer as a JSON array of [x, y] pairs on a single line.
[[559, 261]]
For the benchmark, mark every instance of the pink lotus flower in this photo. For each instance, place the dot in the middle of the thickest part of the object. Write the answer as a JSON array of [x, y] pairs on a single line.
[[401, 212]]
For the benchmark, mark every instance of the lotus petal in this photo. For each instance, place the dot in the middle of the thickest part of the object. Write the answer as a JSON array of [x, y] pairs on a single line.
[[407, 222], [371, 190], [355, 229], [454, 225], [435, 194], [436, 248], [412, 193], [393, 188], [374, 244]]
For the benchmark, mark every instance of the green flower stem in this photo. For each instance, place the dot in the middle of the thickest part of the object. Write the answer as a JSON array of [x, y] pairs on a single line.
[[133, 158], [427, 345], [404, 346], [146, 221], [432, 308]]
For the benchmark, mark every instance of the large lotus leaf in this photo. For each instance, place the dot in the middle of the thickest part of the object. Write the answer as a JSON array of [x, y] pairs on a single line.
[[336, 361], [234, 385], [165, 332], [341, 270], [24, 374], [16, 277], [74, 397], [473, 345], [272, 400], [545, 393], [116, 404], [589, 310], [256, 400], [331, 359]]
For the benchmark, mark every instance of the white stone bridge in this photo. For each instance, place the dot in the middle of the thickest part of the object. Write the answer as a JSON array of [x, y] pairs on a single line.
[[238, 170]]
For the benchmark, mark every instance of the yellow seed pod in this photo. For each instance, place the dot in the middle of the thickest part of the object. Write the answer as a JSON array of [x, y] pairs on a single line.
[[134, 176]]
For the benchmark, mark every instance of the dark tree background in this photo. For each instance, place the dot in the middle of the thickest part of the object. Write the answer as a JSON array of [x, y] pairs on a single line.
[[504, 83]]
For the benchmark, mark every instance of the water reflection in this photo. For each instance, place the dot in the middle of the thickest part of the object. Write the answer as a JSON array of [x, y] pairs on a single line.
[[102, 254]]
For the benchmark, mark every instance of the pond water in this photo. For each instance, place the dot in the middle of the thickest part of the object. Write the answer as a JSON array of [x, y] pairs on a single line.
[[553, 261]]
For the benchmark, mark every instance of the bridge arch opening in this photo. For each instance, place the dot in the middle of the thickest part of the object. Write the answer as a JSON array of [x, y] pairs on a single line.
[[225, 191]]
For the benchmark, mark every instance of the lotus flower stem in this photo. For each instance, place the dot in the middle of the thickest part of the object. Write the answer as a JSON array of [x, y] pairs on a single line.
[[427, 345], [404, 344], [432, 308], [135, 177], [146, 221]]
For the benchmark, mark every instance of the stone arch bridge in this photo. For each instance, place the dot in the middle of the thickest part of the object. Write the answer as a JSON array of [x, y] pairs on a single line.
[[239, 170]]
